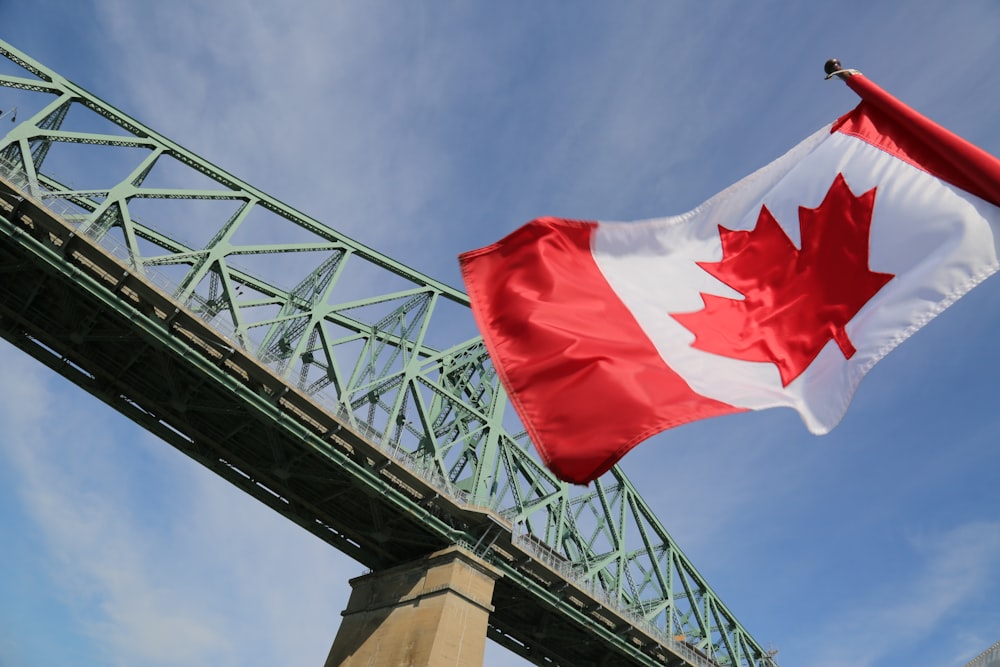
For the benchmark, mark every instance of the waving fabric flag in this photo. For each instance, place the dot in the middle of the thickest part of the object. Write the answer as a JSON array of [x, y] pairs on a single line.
[[782, 290]]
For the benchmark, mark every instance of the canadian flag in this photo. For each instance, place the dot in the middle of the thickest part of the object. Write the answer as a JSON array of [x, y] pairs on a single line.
[[782, 290]]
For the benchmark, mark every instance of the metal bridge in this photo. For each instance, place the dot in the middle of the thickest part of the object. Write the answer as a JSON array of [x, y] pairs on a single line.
[[357, 402]]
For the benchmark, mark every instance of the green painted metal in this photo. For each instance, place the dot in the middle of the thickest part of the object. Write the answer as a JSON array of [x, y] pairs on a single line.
[[365, 336]]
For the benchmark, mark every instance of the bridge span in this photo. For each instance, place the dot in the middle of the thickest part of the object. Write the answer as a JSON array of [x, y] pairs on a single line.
[[358, 402]]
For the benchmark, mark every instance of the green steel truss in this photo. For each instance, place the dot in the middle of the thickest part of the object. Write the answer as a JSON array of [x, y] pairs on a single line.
[[367, 338]]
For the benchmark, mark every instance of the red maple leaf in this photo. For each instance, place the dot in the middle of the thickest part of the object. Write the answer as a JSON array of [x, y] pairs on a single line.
[[794, 300]]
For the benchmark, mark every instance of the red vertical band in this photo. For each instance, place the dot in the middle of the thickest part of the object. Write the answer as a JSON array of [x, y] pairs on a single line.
[[886, 123], [584, 377]]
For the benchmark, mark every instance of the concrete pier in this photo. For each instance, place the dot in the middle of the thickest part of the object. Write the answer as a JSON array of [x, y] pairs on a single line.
[[432, 612]]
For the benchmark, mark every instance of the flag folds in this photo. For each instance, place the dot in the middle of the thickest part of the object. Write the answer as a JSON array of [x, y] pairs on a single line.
[[782, 290]]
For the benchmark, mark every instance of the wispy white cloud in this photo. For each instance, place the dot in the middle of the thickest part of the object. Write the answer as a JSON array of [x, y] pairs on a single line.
[[320, 88], [957, 566], [181, 580], [414, 127], [96, 550]]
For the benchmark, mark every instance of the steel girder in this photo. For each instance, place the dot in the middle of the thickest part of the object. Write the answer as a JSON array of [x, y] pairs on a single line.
[[369, 341]]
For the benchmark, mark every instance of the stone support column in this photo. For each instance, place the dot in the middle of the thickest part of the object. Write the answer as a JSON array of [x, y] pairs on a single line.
[[432, 612]]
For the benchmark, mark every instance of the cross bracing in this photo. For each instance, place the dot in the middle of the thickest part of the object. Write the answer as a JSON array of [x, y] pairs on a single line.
[[356, 373]]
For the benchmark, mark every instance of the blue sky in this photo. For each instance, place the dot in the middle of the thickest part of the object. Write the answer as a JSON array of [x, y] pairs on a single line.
[[424, 129]]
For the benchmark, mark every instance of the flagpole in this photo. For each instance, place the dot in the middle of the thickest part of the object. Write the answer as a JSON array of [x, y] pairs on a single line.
[[971, 168]]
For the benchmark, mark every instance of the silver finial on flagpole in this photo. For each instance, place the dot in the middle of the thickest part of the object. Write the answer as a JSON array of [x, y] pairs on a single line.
[[833, 68]]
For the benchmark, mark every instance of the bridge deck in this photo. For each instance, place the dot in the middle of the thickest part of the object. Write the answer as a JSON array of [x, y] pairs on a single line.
[[76, 308]]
